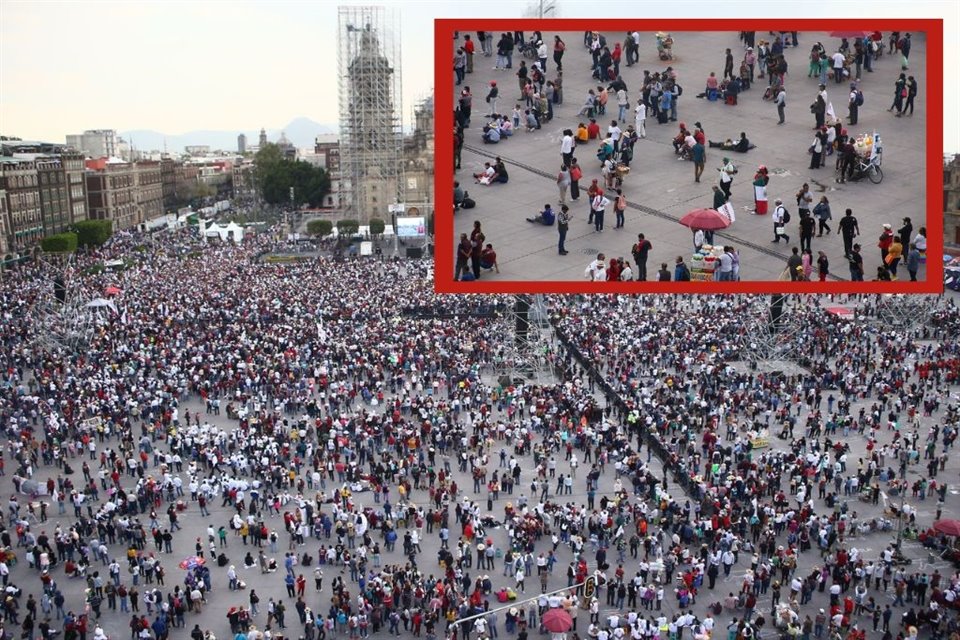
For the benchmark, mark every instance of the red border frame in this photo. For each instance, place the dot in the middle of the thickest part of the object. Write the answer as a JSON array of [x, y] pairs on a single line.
[[443, 125]]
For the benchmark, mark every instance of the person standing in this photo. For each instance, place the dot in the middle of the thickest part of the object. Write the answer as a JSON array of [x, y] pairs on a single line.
[[823, 266], [464, 251], [849, 229], [906, 231], [905, 51], [476, 248], [559, 46], [913, 262], [469, 49], [894, 254], [640, 118], [839, 60], [856, 264], [807, 226], [460, 65], [563, 225], [816, 151], [699, 160], [853, 105], [781, 102], [563, 183], [619, 207], [728, 65], [641, 251], [884, 242], [576, 173], [760, 181], [492, 97], [911, 94], [795, 265], [599, 207], [899, 94]]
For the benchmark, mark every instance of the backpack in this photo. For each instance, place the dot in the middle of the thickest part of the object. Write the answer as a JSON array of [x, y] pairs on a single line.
[[679, 90], [468, 202], [859, 98], [684, 275], [786, 216], [467, 277]]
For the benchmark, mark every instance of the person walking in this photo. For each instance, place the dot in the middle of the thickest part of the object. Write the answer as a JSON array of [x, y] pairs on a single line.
[[493, 96], [849, 229], [823, 266], [781, 217], [563, 224], [559, 47], [822, 213]]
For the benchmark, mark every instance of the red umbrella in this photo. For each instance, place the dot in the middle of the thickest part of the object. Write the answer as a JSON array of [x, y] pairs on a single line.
[[948, 527], [112, 290], [848, 33], [557, 621], [706, 219]]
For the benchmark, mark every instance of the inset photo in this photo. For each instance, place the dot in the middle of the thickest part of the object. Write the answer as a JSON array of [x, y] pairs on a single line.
[[680, 156]]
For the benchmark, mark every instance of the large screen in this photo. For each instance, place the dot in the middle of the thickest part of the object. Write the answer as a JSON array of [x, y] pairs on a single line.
[[411, 227]]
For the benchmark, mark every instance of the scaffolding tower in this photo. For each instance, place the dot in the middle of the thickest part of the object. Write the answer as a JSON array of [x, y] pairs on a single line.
[[371, 133], [771, 330], [62, 321], [527, 355]]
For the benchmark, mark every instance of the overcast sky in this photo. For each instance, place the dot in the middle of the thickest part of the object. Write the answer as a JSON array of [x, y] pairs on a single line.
[[176, 66]]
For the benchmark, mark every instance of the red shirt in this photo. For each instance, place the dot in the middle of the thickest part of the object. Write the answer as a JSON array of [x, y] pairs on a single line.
[[468, 47]]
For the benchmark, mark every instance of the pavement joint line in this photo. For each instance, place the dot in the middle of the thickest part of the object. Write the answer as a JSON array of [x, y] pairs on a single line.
[[642, 208]]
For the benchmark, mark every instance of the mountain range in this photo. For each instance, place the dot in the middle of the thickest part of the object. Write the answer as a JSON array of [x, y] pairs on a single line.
[[299, 131]]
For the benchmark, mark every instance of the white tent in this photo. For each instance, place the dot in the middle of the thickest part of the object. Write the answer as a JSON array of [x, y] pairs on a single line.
[[231, 232]]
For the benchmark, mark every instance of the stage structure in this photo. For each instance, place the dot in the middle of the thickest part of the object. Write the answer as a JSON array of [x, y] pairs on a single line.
[[371, 134], [527, 354], [771, 331]]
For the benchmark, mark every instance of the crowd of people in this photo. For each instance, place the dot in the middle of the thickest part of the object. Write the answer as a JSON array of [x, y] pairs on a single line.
[[612, 121], [349, 419]]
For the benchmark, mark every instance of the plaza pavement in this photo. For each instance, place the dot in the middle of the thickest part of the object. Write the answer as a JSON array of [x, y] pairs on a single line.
[[268, 586], [661, 189]]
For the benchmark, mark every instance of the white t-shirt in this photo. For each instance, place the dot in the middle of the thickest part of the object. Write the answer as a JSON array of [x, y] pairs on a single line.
[[614, 132], [838, 60], [641, 112]]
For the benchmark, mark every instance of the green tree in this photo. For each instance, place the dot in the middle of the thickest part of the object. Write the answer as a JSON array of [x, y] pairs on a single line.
[[377, 226], [93, 232], [276, 175], [60, 243], [319, 228], [347, 228]]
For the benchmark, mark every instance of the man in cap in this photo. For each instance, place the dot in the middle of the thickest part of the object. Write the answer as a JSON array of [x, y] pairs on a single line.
[[780, 219], [886, 239]]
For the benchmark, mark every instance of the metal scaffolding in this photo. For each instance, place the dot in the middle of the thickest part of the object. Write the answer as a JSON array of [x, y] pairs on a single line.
[[371, 134], [771, 330], [62, 321]]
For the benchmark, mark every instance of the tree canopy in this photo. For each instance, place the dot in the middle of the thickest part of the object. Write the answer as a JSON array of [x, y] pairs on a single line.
[[276, 175], [93, 232]]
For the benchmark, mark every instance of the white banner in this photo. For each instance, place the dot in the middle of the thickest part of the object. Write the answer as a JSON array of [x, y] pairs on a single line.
[[727, 211]]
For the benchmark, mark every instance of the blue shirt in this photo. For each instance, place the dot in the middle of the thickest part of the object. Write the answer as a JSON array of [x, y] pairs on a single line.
[[548, 216]]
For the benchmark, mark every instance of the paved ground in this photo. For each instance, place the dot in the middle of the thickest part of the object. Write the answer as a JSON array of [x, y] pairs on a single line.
[[271, 585], [660, 188]]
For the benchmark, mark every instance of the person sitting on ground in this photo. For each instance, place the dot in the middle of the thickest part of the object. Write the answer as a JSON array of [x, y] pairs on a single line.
[[546, 217], [500, 171], [491, 134], [486, 176], [589, 104], [488, 259], [593, 129], [458, 194], [531, 120], [742, 145], [506, 127], [583, 135], [713, 84], [678, 140]]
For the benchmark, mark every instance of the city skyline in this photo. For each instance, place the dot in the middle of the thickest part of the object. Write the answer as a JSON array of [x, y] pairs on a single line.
[[178, 67]]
